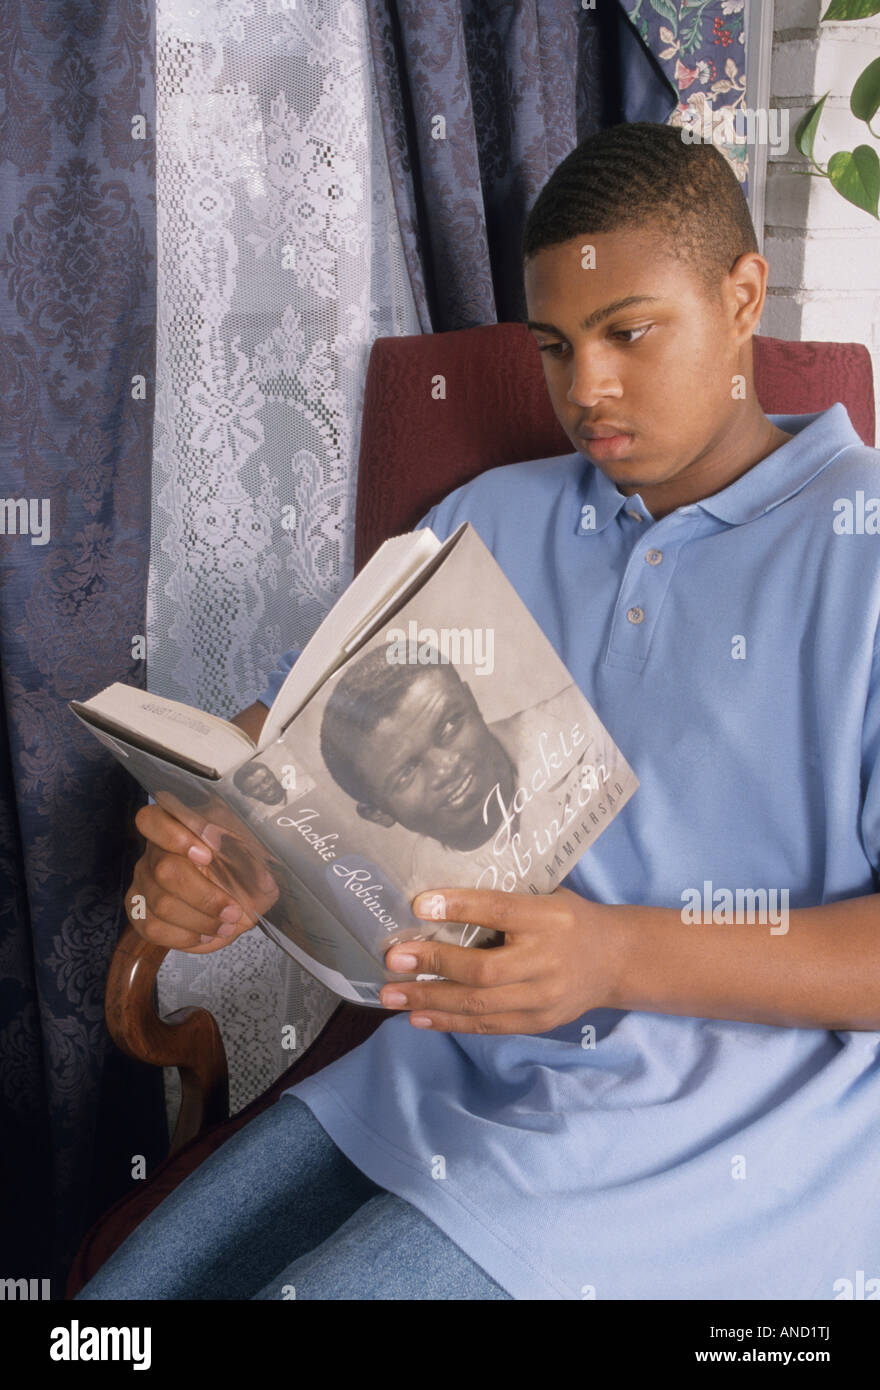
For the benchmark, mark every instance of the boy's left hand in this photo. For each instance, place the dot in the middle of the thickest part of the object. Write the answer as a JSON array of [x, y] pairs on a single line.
[[558, 960]]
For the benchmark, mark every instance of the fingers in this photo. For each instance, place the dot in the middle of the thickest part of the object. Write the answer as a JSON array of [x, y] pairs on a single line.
[[506, 912], [511, 913], [485, 967], [518, 987], [454, 1007], [173, 903], [485, 991], [513, 1022], [222, 841], [163, 831]]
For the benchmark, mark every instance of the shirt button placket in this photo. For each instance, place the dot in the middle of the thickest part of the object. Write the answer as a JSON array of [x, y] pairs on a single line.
[[647, 577]]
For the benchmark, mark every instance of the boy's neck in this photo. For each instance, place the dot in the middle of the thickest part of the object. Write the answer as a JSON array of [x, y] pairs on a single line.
[[736, 456]]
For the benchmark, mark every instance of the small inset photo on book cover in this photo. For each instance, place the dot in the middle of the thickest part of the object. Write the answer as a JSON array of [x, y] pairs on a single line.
[[272, 782]]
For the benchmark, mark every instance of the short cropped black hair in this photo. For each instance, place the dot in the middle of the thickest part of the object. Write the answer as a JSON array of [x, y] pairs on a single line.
[[643, 174], [370, 689]]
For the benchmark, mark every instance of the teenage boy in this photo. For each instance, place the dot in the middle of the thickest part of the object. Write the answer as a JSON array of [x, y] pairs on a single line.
[[619, 1102]]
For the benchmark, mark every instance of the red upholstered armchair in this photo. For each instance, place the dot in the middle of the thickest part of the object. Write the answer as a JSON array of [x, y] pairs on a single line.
[[414, 450]]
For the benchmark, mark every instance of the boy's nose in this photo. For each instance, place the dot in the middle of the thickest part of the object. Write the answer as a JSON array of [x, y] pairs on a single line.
[[591, 380]]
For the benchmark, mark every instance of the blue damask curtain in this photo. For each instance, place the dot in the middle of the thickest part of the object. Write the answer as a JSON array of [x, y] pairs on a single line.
[[518, 84], [77, 344]]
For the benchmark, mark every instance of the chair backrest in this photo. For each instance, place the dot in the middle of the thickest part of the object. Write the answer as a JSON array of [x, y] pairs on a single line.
[[495, 409]]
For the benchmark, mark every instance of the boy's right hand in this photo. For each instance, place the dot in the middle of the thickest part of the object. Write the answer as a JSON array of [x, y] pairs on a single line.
[[171, 901]]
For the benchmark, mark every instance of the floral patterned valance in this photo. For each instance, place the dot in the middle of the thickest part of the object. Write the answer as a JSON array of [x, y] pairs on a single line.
[[700, 44]]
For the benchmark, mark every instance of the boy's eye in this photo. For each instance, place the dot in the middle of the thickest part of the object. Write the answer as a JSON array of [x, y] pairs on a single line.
[[560, 349], [622, 332]]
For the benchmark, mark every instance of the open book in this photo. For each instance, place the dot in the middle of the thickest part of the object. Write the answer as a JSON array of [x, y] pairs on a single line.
[[428, 736]]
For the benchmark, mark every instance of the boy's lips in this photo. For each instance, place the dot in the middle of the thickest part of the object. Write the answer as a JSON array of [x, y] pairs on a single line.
[[601, 431], [607, 443]]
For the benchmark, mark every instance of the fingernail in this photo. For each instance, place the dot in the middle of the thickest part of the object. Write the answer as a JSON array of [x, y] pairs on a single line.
[[419, 1021], [403, 962], [206, 940], [227, 929], [431, 905], [231, 913], [200, 855], [393, 998]]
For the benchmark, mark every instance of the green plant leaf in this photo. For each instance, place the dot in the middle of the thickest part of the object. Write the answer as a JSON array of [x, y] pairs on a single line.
[[669, 13], [865, 99], [852, 9], [856, 176], [807, 126]]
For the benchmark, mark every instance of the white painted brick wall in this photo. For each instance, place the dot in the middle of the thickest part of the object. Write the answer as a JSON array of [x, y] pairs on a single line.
[[824, 253]]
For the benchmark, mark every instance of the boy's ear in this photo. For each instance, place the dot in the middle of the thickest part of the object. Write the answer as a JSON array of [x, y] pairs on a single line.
[[368, 811]]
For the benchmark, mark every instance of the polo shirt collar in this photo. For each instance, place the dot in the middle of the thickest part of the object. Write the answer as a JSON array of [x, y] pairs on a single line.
[[602, 495], [816, 440]]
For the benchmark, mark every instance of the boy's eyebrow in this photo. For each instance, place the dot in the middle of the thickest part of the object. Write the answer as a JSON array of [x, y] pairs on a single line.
[[598, 315]]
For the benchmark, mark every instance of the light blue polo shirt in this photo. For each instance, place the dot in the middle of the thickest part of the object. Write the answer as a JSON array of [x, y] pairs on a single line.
[[731, 650]]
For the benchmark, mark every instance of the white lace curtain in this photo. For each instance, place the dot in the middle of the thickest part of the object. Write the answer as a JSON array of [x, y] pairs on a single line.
[[279, 262]]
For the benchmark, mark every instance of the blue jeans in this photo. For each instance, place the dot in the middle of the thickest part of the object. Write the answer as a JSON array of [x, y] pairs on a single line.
[[279, 1212]]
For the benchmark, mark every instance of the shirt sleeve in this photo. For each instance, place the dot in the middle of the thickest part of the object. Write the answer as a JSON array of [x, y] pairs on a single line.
[[277, 678]]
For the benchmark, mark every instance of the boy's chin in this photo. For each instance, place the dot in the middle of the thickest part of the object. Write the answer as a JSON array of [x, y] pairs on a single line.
[[630, 479]]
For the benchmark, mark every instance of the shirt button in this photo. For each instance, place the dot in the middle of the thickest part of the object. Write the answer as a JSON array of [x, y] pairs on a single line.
[[654, 557], [636, 516], [635, 615]]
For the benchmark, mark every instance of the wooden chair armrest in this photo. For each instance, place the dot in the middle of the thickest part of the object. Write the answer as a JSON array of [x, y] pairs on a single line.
[[188, 1039]]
